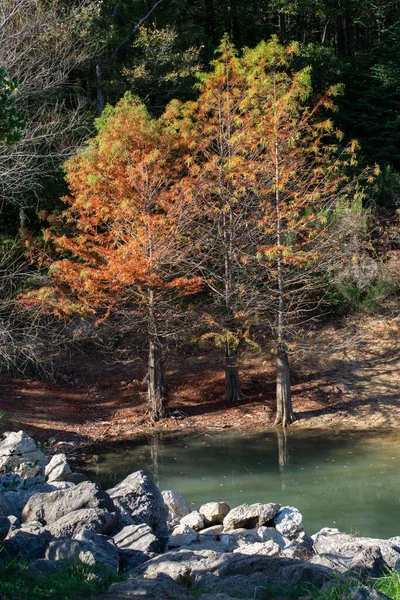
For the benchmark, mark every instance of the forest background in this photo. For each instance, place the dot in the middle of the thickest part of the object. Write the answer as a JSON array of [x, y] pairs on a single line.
[[62, 62]]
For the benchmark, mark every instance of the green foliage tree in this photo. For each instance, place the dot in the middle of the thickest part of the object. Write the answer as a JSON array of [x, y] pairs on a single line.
[[11, 121]]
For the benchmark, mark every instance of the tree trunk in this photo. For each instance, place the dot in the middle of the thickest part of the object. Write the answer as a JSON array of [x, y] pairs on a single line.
[[101, 99], [157, 385], [284, 409], [233, 390]]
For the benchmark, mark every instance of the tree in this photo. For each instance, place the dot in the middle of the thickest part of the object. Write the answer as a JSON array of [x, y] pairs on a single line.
[[126, 225], [41, 43], [10, 119], [301, 171], [220, 179], [160, 70]]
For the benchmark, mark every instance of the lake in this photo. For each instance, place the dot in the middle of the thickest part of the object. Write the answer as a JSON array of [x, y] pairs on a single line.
[[350, 481]]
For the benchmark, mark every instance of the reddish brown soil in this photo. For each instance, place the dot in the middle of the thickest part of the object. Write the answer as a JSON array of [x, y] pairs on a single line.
[[353, 385]]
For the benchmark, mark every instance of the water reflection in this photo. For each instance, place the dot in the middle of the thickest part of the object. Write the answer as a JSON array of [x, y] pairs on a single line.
[[346, 481]]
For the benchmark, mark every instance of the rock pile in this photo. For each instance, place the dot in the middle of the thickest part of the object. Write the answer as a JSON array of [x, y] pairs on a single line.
[[50, 516]]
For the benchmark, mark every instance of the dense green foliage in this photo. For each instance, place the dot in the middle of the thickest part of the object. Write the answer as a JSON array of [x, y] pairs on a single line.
[[10, 119]]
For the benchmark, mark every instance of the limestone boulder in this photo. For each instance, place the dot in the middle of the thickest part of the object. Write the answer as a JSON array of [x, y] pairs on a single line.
[[250, 516], [182, 535], [266, 534], [28, 543], [97, 520], [19, 453], [214, 513], [214, 531], [140, 501], [368, 563], [58, 469], [175, 503], [131, 559], [193, 520], [288, 521], [330, 545], [161, 587], [88, 548], [137, 537], [49, 508], [269, 548]]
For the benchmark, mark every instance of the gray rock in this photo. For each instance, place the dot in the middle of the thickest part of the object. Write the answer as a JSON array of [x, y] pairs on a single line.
[[265, 534], [340, 548], [58, 469], [88, 548], [288, 521], [214, 531], [12, 502], [24, 544], [300, 547], [19, 453], [368, 563], [250, 516], [364, 593], [95, 519], [42, 568], [131, 559], [338, 562], [48, 508], [137, 537], [259, 548], [195, 564], [140, 501], [182, 564], [193, 520], [4, 527], [160, 588], [214, 513], [183, 535], [256, 586], [240, 537], [175, 503]]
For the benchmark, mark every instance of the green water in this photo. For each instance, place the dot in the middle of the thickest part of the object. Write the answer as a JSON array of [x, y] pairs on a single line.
[[348, 481]]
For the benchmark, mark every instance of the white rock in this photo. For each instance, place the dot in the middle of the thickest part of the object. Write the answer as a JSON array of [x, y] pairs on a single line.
[[214, 531], [183, 535], [266, 534], [194, 520], [259, 548], [58, 469], [250, 515], [176, 503], [19, 453], [213, 513], [288, 521]]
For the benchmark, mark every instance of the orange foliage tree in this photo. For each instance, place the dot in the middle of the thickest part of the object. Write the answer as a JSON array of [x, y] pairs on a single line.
[[215, 128], [302, 170], [126, 224]]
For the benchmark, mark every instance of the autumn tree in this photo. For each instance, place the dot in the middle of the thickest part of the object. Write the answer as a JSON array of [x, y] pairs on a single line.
[[301, 169], [216, 130], [125, 231]]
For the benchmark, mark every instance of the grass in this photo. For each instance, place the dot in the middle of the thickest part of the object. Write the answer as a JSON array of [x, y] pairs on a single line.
[[389, 584], [74, 582], [339, 588]]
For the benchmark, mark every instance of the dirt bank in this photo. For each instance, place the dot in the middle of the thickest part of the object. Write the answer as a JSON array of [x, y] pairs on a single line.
[[349, 378]]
